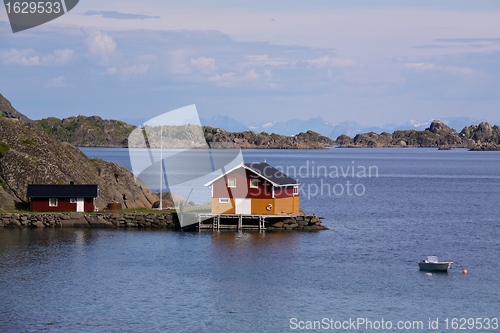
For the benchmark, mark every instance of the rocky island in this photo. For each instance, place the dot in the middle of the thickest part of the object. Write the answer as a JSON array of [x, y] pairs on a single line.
[[438, 135]]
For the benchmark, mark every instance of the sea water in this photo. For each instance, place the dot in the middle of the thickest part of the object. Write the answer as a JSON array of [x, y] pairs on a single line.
[[360, 276]]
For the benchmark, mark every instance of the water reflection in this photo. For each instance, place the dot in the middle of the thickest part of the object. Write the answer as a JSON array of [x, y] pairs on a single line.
[[46, 237], [230, 240], [436, 273]]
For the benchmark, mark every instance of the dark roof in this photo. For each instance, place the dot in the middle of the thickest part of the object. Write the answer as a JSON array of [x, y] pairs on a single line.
[[271, 173], [62, 191], [264, 170]]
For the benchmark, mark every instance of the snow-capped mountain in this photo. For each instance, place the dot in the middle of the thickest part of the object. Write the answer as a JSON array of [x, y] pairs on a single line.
[[295, 126], [318, 124], [225, 122]]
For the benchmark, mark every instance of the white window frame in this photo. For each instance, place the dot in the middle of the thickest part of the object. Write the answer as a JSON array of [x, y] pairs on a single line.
[[254, 180], [53, 202], [224, 200], [231, 179], [295, 190]]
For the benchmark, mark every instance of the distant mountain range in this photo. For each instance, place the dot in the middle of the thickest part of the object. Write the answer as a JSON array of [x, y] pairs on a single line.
[[331, 130]]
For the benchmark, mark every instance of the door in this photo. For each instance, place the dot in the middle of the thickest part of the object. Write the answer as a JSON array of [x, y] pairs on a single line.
[[243, 206], [80, 204]]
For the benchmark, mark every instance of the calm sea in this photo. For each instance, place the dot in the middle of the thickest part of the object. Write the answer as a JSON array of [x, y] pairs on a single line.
[[398, 206]]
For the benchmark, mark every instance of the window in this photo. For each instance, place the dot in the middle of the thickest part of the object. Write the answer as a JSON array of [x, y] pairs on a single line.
[[72, 200], [223, 200], [53, 202], [295, 190], [254, 183], [231, 182]]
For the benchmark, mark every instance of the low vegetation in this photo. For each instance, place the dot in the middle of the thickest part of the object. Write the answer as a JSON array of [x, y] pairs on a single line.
[[4, 148]]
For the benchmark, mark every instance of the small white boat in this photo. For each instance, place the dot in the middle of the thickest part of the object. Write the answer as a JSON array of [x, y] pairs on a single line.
[[432, 264]]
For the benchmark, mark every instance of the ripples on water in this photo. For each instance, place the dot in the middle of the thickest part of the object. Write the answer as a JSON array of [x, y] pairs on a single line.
[[423, 202]]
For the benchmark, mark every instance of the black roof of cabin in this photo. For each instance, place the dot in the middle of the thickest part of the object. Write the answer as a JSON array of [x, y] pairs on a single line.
[[62, 191], [271, 173]]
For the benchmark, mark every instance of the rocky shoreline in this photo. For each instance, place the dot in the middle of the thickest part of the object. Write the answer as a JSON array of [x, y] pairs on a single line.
[[299, 222], [482, 137], [93, 220], [134, 220]]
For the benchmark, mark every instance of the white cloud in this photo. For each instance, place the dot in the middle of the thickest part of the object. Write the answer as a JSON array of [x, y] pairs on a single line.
[[100, 45], [422, 67], [252, 75], [327, 61], [178, 64], [136, 69], [58, 57], [205, 65], [26, 57], [111, 70], [57, 82], [265, 60], [225, 79], [147, 58], [29, 57]]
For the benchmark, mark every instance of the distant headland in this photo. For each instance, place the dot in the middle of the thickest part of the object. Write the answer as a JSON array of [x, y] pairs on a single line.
[[93, 131], [29, 155]]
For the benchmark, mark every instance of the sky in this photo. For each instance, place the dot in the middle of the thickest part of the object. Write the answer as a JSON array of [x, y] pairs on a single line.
[[373, 62]]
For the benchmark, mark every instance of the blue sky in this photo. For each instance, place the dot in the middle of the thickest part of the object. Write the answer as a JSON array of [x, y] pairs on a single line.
[[374, 62]]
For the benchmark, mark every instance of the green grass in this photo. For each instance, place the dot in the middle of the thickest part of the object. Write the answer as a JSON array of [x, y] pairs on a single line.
[[189, 209], [29, 142], [4, 147], [16, 211], [140, 210], [198, 209]]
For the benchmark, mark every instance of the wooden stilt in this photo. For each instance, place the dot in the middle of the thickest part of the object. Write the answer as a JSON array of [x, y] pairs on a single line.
[[235, 221], [240, 222]]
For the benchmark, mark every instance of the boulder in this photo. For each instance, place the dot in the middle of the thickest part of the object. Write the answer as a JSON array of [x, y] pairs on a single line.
[[437, 126], [14, 224], [77, 216], [302, 223], [315, 227], [99, 222], [37, 224], [77, 223]]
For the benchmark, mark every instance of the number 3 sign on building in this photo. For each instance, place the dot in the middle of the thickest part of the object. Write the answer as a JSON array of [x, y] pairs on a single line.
[[28, 14]]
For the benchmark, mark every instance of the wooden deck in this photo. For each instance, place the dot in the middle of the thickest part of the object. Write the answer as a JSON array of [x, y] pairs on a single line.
[[236, 221]]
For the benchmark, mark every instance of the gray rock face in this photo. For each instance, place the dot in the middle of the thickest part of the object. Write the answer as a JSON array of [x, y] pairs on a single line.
[[34, 157], [84, 131], [9, 112], [438, 126], [484, 132], [99, 222], [438, 134]]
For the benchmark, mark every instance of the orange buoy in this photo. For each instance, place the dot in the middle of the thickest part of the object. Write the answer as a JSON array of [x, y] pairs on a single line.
[[464, 271]]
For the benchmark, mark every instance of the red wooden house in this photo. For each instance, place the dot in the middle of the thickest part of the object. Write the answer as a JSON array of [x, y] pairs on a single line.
[[76, 198], [255, 188]]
